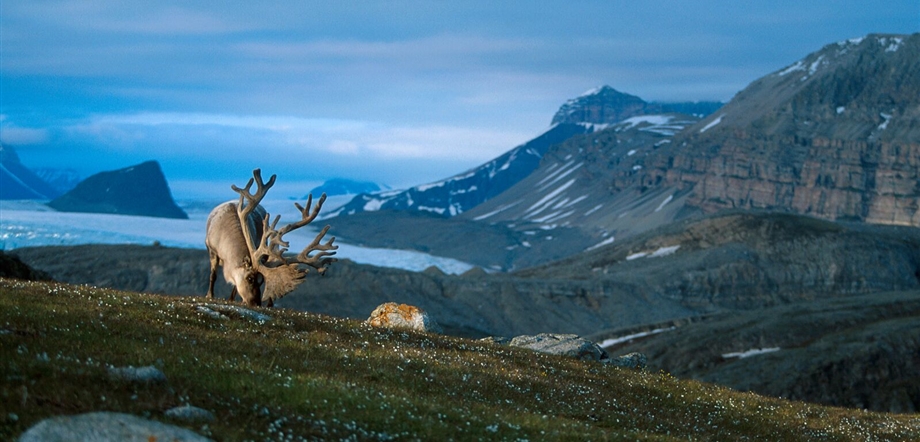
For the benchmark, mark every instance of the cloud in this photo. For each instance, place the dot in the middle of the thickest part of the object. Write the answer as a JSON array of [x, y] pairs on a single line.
[[401, 93], [18, 136], [199, 147], [116, 17], [329, 136]]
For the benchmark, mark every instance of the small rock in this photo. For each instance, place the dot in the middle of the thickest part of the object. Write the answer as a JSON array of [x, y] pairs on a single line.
[[189, 413], [106, 427], [392, 315], [149, 374], [572, 346], [241, 311], [497, 340], [634, 360], [207, 311]]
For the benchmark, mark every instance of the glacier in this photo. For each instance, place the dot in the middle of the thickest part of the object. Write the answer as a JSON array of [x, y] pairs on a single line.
[[30, 223]]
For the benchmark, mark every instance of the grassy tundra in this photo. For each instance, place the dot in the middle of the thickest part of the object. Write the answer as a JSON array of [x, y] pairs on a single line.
[[300, 376]]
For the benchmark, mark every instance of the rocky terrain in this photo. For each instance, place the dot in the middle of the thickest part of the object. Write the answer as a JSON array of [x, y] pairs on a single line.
[[860, 351], [466, 190], [835, 135], [588, 113], [136, 190]]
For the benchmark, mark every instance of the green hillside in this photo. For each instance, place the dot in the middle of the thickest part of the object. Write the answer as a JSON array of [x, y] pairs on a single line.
[[299, 376]]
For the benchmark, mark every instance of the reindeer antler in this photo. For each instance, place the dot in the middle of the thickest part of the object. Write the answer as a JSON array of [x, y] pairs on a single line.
[[247, 204], [321, 259], [285, 275], [281, 274]]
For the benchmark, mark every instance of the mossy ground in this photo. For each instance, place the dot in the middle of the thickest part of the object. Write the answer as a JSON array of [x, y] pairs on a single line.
[[301, 376]]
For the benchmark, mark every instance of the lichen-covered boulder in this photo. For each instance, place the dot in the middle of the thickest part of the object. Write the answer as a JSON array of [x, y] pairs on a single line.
[[148, 374], [106, 427], [402, 316], [634, 360], [189, 413], [572, 346]]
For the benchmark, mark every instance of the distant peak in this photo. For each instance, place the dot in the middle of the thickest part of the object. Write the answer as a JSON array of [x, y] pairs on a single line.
[[600, 105], [602, 91], [593, 91]]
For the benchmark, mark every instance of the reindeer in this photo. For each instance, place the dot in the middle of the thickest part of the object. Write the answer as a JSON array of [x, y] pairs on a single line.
[[251, 251]]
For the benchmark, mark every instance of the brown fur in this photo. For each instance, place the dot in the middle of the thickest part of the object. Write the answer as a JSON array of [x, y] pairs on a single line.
[[226, 244]]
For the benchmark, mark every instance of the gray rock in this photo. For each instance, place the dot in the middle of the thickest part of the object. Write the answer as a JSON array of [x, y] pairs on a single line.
[[634, 360], [237, 310], [207, 311], [189, 413], [572, 346], [105, 427], [497, 340], [148, 374]]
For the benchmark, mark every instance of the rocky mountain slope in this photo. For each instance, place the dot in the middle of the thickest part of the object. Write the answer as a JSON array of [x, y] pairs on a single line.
[[17, 182], [461, 192], [750, 260], [786, 143], [592, 111], [859, 352], [531, 194], [136, 190], [834, 135], [571, 188]]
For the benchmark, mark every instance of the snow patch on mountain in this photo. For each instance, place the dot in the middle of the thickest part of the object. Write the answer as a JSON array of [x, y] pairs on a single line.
[[886, 118], [893, 43], [603, 243], [712, 123], [662, 251], [797, 66], [665, 202], [621, 339], [749, 353]]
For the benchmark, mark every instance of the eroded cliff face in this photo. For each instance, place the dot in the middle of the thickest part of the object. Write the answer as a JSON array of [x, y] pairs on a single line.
[[876, 182], [835, 135]]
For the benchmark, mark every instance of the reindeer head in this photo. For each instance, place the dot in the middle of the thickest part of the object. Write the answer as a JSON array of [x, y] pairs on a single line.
[[249, 286], [280, 274]]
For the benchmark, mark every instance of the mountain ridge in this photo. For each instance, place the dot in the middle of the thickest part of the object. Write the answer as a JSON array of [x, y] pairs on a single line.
[[135, 190], [588, 113], [835, 135], [19, 182]]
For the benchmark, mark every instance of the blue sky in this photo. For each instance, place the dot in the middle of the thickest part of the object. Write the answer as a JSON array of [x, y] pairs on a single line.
[[400, 93]]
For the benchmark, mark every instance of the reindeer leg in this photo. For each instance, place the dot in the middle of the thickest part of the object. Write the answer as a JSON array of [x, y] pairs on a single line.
[[233, 294], [215, 261]]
